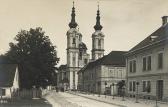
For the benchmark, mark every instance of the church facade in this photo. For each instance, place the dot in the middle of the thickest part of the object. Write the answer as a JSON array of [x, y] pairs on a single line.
[[77, 56]]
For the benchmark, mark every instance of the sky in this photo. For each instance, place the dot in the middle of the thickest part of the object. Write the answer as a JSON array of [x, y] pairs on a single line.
[[125, 22]]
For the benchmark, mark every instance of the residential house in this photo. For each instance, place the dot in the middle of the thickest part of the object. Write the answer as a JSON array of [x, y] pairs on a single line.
[[99, 75], [62, 79], [9, 80], [147, 66]]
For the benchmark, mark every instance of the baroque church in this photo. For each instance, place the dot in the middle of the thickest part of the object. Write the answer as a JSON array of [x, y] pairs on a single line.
[[77, 56]]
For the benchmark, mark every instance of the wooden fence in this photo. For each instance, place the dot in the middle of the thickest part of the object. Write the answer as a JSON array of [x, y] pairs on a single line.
[[25, 93]]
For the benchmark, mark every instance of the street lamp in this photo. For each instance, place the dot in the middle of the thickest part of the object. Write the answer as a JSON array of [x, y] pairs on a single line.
[[137, 84]]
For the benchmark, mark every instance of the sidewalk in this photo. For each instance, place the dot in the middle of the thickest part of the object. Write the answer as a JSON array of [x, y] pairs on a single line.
[[118, 101], [27, 103]]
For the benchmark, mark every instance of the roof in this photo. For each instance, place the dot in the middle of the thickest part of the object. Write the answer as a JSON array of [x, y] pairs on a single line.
[[115, 58], [82, 46], [62, 67], [161, 33], [7, 74]]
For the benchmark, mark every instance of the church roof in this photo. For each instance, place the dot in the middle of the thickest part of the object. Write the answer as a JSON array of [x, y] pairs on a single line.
[[7, 74], [73, 23], [114, 58], [98, 26], [82, 45], [62, 67], [159, 35]]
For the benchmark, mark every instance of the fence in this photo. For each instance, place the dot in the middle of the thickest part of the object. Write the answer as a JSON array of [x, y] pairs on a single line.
[[25, 93], [22, 94]]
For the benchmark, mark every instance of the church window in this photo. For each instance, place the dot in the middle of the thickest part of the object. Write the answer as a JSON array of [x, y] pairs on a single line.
[[74, 60], [74, 41], [99, 43]]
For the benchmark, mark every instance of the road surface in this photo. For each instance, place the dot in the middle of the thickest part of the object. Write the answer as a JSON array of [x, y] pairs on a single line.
[[68, 100]]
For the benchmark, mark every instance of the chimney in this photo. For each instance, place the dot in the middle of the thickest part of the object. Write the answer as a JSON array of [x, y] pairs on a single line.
[[164, 20]]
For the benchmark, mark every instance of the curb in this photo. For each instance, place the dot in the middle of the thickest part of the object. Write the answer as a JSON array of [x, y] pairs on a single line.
[[119, 105]]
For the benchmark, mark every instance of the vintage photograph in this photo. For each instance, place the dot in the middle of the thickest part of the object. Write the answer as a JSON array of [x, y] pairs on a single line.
[[83, 53]]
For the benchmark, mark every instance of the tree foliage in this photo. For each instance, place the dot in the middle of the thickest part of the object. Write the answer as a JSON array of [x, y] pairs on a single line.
[[36, 57]]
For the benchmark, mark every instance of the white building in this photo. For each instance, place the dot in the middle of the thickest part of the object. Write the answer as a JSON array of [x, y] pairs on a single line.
[[77, 56], [99, 75], [9, 80]]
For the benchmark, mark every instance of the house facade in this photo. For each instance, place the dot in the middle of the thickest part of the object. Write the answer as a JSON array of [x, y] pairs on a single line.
[[147, 66], [9, 80], [99, 75], [62, 80]]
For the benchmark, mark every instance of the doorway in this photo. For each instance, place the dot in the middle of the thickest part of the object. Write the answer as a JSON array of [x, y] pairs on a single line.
[[159, 89]]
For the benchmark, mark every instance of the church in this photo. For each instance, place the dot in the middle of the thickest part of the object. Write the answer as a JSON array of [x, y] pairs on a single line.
[[77, 56]]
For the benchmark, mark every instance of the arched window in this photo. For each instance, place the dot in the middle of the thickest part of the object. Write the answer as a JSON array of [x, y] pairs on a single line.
[[74, 41], [99, 43]]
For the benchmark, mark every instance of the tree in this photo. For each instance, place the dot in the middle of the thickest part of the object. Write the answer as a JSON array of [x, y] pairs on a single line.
[[36, 57]]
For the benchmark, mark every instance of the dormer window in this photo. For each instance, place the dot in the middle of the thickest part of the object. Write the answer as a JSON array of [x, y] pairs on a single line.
[[153, 37]]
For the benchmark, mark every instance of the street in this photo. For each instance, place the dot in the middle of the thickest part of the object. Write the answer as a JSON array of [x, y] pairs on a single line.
[[68, 100]]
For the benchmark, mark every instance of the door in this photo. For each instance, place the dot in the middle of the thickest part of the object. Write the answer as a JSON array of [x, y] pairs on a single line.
[[160, 89]]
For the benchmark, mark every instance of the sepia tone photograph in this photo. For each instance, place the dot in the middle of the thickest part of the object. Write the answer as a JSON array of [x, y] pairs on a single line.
[[83, 53]]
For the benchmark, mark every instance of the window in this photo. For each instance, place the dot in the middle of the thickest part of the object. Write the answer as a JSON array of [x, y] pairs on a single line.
[[149, 63], [160, 60], [146, 86], [3, 92], [99, 43], [132, 66], [130, 86], [74, 41], [74, 60], [144, 64], [134, 86]]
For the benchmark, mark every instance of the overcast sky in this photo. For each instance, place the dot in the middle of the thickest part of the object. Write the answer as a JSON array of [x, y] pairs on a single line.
[[125, 22]]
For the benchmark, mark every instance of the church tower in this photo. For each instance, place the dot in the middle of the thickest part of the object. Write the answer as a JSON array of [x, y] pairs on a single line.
[[97, 39], [74, 37], [77, 56]]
